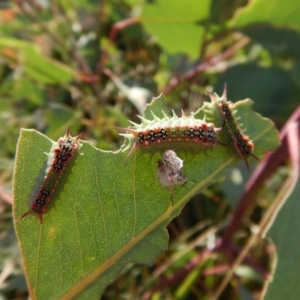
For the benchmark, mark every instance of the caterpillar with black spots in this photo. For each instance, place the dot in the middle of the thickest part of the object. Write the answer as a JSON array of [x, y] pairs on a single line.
[[169, 131], [242, 142], [61, 153]]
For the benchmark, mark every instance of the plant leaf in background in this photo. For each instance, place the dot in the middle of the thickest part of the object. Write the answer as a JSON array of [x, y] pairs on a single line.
[[278, 85], [171, 22], [264, 11], [105, 215], [36, 65], [275, 28], [287, 246]]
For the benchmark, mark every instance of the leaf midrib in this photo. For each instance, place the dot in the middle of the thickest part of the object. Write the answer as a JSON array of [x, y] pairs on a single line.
[[160, 220]]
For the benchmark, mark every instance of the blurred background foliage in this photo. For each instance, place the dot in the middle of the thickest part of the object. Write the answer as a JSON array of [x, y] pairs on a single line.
[[93, 65]]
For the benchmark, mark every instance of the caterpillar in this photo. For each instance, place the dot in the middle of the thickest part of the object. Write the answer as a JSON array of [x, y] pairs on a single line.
[[242, 142], [170, 171], [162, 132], [61, 153]]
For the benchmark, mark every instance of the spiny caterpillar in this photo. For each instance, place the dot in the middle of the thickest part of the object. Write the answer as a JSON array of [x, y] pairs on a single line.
[[162, 132], [170, 171], [61, 153], [242, 143]]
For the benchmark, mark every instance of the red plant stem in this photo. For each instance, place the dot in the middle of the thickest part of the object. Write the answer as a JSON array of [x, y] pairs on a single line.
[[216, 270], [120, 26], [175, 81], [166, 282], [263, 171], [234, 250]]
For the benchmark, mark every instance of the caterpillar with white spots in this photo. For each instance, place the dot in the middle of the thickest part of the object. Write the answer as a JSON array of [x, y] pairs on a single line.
[[61, 153], [242, 142], [167, 132]]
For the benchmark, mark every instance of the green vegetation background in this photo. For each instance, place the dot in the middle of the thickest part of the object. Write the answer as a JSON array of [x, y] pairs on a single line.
[[75, 64]]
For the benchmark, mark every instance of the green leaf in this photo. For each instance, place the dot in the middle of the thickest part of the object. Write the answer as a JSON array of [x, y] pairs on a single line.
[[277, 84], [105, 215], [36, 65], [281, 42], [174, 24], [287, 244], [274, 12], [18, 89], [58, 117]]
